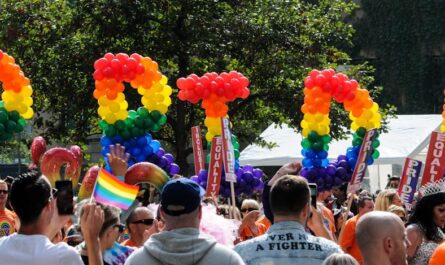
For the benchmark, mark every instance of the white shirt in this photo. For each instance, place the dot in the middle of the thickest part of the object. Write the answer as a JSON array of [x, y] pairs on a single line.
[[37, 250]]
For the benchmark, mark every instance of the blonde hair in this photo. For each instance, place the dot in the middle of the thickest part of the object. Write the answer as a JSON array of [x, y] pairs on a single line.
[[340, 259], [384, 200], [250, 202], [396, 209]]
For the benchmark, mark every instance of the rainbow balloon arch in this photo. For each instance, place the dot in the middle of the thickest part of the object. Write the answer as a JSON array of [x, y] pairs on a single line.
[[215, 91], [320, 88], [132, 128]]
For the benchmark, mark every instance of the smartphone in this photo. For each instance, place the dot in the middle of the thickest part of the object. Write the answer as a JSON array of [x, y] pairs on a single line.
[[65, 203], [313, 188]]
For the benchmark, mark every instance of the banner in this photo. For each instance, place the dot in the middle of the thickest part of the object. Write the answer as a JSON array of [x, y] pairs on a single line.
[[215, 167], [408, 183], [198, 152], [360, 167], [228, 153], [435, 158]]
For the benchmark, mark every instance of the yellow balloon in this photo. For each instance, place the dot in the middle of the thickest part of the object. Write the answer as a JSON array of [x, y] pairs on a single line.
[[209, 137], [28, 114]]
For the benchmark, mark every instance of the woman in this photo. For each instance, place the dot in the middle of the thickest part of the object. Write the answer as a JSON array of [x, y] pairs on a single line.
[[385, 199], [340, 259], [425, 224], [249, 227], [399, 211], [110, 231]]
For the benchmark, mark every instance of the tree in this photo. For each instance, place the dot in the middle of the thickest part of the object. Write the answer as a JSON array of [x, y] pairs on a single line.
[[273, 43]]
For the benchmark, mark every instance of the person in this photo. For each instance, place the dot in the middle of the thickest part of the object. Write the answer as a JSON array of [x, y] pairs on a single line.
[[382, 239], [286, 241], [34, 202], [386, 198], [425, 224], [399, 211], [328, 216], [181, 241], [438, 257], [348, 241], [109, 232], [340, 259], [7, 217], [393, 182], [140, 224], [250, 227]]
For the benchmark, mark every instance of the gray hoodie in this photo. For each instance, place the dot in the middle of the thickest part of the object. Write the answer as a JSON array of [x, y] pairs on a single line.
[[185, 246]]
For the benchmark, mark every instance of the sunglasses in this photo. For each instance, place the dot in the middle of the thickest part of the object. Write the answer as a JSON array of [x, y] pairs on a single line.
[[3, 191], [121, 227], [249, 210], [144, 221]]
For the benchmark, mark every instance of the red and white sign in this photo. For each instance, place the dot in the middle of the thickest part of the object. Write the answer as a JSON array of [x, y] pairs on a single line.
[[408, 183], [215, 167], [198, 152], [435, 159], [228, 152], [362, 161]]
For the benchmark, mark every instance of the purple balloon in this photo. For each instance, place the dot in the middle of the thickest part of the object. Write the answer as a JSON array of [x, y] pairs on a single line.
[[260, 186], [163, 162], [248, 177], [195, 179], [255, 182], [247, 168], [160, 152], [257, 173], [343, 164], [239, 172], [170, 158], [304, 172], [338, 181], [340, 172], [342, 157], [174, 169], [331, 170]]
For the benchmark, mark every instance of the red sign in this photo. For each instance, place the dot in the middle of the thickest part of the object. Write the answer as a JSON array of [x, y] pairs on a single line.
[[198, 152], [362, 161], [408, 183], [228, 152], [215, 167], [435, 159]]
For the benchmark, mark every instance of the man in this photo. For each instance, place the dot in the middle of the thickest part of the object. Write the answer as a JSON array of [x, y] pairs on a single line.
[[382, 239], [393, 182], [347, 241], [181, 242], [34, 202], [140, 222], [286, 241], [328, 216], [7, 217]]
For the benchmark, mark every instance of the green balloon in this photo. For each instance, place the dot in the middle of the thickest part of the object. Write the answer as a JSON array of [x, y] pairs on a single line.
[[162, 120], [14, 116], [208, 158], [103, 125], [132, 114], [2, 104], [376, 143], [313, 136], [156, 115], [139, 122], [305, 143], [148, 123], [3, 117], [357, 142], [317, 146], [110, 131], [125, 134], [155, 127], [22, 121], [236, 153], [143, 112], [120, 125], [375, 154], [327, 139], [18, 128], [129, 123], [2, 128], [361, 132], [326, 147], [10, 126]]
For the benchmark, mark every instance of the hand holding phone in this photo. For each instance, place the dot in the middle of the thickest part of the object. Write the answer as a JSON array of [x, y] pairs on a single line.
[[314, 191], [65, 203]]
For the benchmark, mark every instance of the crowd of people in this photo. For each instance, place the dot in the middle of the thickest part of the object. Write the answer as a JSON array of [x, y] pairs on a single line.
[[179, 225]]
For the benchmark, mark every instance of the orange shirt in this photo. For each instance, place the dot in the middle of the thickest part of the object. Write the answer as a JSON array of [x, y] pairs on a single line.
[[247, 233], [348, 242], [129, 243], [7, 222], [264, 221], [438, 257], [329, 216]]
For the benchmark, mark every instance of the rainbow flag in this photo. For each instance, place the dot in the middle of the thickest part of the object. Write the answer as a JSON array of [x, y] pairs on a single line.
[[110, 190]]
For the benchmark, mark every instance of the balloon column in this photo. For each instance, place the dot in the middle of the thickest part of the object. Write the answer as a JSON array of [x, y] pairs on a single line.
[[320, 87], [216, 91], [15, 106], [131, 128]]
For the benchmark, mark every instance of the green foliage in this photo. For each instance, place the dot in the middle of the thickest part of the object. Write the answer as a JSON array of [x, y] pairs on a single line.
[[404, 41], [274, 43]]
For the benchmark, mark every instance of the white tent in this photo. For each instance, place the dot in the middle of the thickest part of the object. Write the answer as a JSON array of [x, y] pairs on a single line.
[[408, 136]]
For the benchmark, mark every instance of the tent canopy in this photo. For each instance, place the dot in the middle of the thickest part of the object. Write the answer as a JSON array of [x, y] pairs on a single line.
[[407, 136]]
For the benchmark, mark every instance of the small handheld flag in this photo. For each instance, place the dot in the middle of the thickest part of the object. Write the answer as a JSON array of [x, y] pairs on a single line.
[[110, 190]]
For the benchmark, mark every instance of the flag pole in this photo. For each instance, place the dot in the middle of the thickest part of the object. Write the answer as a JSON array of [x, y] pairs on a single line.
[[94, 188]]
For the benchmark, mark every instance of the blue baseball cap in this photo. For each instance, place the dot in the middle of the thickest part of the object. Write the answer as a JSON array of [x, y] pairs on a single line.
[[181, 196]]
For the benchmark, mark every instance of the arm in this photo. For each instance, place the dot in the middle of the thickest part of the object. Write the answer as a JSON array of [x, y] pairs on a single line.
[[91, 222], [316, 225], [414, 236], [118, 160]]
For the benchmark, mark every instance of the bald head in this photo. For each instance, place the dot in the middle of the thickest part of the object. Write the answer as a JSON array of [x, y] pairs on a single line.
[[382, 234]]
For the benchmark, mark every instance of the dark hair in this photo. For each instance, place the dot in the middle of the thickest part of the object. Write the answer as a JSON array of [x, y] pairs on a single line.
[[289, 195], [362, 201], [29, 194], [111, 217], [423, 215]]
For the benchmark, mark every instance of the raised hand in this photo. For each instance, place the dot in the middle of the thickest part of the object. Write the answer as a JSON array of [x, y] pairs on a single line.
[[118, 160]]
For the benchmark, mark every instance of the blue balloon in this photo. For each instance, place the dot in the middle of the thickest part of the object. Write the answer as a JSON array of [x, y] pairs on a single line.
[[147, 150], [105, 141], [135, 151], [155, 145], [316, 162], [322, 154], [148, 137], [140, 158], [117, 140], [141, 141], [310, 154]]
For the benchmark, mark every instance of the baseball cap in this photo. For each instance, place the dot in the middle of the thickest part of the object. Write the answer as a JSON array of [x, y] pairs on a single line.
[[181, 196]]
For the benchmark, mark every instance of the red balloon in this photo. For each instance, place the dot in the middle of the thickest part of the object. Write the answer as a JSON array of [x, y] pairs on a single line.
[[244, 81], [136, 56], [320, 80], [109, 56], [194, 77], [313, 74], [308, 82], [122, 57], [99, 64], [180, 83], [219, 81], [205, 81]]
